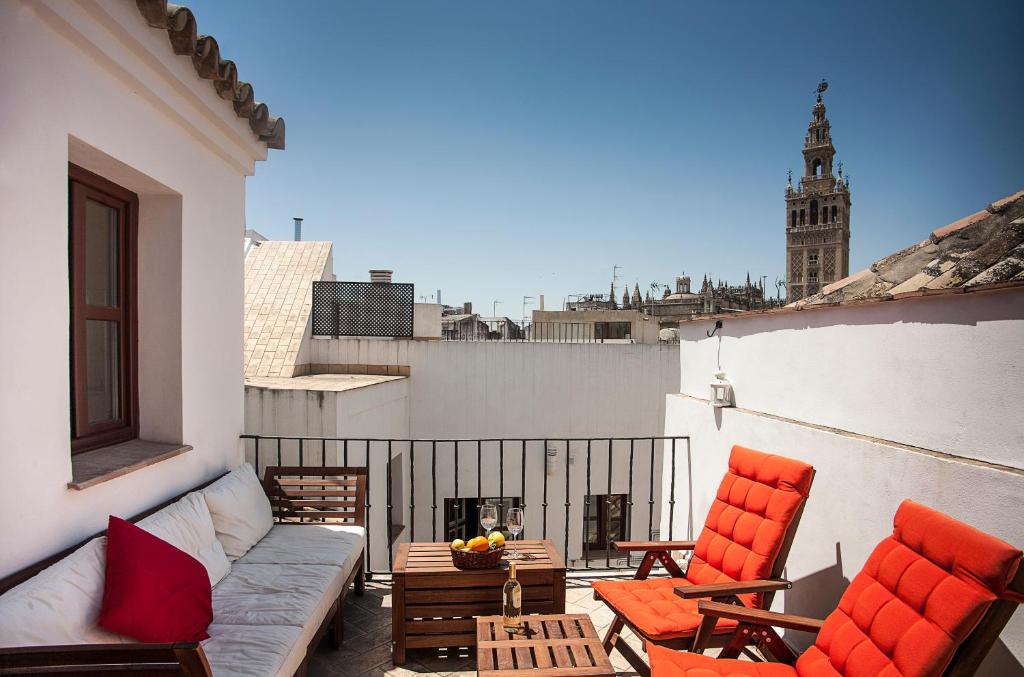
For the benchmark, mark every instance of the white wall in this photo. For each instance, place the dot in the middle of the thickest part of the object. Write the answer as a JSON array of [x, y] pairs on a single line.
[[377, 411], [460, 390], [91, 83], [892, 374], [426, 320], [940, 373]]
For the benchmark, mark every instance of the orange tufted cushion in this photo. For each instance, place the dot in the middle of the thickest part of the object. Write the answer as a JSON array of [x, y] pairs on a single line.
[[755, 504], [921, 592], [652, 607], [668, 663], [747, 523]]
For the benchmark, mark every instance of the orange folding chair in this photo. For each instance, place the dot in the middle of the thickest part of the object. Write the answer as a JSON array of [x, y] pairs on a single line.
[[930, 601], [738, 557]]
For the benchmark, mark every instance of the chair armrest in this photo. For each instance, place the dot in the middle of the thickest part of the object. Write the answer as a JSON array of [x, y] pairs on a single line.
[[744, 614], [731, 588], [653, 546], [188, 657]]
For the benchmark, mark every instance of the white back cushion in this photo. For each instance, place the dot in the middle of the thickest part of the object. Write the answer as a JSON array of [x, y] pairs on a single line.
[[240, 510], [187, 525], [60, 604]]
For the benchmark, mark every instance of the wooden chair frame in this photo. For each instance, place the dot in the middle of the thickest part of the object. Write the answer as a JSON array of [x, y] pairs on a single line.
[[187, 659], [727, 593], [754, 625]]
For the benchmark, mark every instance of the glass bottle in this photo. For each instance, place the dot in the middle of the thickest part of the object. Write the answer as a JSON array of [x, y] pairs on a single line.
[[512, 602]]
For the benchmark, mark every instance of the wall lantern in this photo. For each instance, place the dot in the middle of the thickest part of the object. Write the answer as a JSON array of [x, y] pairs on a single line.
[[721, 391]]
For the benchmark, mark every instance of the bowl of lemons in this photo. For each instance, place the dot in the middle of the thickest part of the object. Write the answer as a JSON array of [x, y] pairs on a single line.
[[481, 552]]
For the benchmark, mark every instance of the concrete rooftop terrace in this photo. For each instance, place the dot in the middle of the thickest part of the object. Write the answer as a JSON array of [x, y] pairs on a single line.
[[320, 382]]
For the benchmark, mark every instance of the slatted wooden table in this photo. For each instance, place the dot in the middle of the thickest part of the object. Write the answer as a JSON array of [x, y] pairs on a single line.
[[434, 605], [550, 645]]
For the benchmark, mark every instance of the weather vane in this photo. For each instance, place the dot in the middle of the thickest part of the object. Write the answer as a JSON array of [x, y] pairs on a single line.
[[822, 86]]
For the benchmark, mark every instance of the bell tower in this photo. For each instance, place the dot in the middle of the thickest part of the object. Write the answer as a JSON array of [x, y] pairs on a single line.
[[817, 213]]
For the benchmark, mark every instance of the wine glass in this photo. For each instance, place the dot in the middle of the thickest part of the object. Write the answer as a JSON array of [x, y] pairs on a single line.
[[514, 522], [488, 517]]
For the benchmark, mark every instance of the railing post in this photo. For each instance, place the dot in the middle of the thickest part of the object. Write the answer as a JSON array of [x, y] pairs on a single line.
[[433, 490], [607, 507], [568, 501], [586, 513]]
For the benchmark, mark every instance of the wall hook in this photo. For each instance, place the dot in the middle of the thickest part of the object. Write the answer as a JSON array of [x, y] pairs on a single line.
[[718, 325]]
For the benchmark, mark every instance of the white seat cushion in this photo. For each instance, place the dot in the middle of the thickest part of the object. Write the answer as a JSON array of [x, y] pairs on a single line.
[[335, 544], [276, 594], [60, 604], [188, 526], [240, 510], [252, 650]]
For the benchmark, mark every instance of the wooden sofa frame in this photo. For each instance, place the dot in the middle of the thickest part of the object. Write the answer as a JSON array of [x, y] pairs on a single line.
[[753, 626], [298, 496]]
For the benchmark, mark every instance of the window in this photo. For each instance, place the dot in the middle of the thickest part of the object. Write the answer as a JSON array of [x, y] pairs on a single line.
[[605, 520], [814, 212], [816, 167], [812, 259], [812, 276], [792, 218], [802, 217], [102, 228], [612, 330], [462, 516], [835, 213]]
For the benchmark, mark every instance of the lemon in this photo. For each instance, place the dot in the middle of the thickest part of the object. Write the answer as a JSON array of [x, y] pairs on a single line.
[[458, 544], [497, 539]]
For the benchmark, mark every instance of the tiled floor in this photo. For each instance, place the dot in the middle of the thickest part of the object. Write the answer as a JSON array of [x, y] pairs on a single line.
[[367, 647]]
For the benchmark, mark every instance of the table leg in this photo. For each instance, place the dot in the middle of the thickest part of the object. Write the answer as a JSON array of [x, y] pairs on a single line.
[[398, 620]]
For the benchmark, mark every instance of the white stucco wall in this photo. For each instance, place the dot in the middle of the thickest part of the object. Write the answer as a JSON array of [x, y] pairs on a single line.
[[471, 390], [376, 411], [93, 84], [426, 320], [888, 401]]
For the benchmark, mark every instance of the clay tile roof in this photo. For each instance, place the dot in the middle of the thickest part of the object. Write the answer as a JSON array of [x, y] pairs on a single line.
[[985, 248], [180, 24]]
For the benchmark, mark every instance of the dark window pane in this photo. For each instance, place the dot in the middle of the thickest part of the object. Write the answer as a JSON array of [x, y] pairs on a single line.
[[103, 368], [101, 256]]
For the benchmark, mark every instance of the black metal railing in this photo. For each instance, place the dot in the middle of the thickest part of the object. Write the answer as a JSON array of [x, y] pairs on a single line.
[[581, 493], [363, 309], [473, 328]]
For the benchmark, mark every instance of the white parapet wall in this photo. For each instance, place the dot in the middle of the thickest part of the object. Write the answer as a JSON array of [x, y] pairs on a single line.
[[491, 390], [919, 398]]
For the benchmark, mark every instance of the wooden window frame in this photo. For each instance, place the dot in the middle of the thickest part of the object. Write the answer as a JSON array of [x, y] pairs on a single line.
[[82, 185]]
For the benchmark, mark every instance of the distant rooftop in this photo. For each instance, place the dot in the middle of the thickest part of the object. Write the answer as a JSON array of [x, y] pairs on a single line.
[[985, 249], [278, 300]]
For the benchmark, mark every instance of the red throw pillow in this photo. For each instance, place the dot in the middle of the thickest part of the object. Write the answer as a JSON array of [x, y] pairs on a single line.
[[154, 592]]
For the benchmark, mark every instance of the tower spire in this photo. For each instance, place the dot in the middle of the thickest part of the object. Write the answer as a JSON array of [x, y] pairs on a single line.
[[818, 212]]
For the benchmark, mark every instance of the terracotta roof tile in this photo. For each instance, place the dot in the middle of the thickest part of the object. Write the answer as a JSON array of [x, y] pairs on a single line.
[[180, 24], [985, 248]]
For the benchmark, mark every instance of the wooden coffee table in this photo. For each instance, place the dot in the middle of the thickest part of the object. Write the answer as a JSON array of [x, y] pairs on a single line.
[[434, 605], [549, 645]]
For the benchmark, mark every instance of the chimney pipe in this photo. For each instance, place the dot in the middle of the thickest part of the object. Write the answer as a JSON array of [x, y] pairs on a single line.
[[298, 229], [380, 276]]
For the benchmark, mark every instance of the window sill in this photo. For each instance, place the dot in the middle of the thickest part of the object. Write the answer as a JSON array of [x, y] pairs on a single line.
[[99, 465]]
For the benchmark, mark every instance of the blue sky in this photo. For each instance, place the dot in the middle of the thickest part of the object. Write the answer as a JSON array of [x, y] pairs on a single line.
[[496, 150]]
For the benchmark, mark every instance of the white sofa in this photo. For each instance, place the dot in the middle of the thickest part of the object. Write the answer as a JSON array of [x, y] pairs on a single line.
[[275, 587]]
